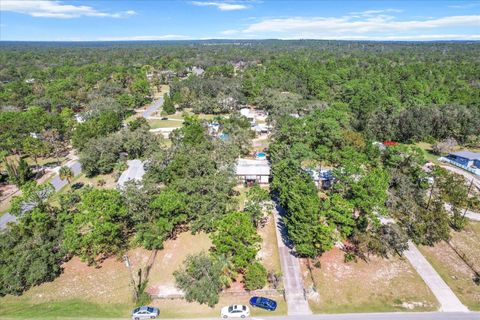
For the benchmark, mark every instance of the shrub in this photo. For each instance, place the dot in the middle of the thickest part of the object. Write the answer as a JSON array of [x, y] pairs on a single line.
[[255, 276]]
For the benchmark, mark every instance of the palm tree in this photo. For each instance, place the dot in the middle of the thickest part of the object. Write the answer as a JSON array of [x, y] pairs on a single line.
[[66, 173]]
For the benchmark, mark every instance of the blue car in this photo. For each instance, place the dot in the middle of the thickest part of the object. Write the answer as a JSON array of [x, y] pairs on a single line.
[[264, 303]]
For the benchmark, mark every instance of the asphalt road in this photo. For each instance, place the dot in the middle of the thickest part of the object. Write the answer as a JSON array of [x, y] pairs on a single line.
[[57, 184], [382, 316], [153, 107]]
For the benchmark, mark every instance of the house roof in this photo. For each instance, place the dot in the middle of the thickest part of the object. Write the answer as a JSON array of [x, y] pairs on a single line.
[[250, 167], [467, 154], [135, 171]]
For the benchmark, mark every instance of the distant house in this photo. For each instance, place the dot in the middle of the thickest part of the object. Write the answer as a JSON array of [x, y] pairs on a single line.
[[262, 128], [198, 71], [251, 171], [134, 172], [467, 160], [213, 128], [323, 178]]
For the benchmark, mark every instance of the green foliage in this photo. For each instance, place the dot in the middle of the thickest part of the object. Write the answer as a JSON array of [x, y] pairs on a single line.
[[167, 211], [101, 155], [307, 226], [236, 238], [255, 276], [98, 126], [138, 123], [66, 173], [168, 104], [200, 279], [30, 251], [255, 203], [19, 173], [33, 196], [99, 227]]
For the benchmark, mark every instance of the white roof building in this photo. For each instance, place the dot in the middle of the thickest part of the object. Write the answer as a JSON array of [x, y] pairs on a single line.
[[250, 170], [134, 172]]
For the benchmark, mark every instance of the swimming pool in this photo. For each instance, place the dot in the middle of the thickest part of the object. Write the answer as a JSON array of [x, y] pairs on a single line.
[[261, 155]]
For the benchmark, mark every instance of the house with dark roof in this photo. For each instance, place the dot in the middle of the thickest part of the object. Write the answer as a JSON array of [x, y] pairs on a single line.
[[467, 160]]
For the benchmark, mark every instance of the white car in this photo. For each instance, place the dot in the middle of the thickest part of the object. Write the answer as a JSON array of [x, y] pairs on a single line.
[[142, 313], [235, 311]]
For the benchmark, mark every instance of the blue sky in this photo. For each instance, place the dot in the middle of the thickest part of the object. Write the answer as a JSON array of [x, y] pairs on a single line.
[[52, 20]]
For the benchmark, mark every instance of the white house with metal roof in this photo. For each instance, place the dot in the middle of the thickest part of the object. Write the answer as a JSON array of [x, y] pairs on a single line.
[[253, 171]]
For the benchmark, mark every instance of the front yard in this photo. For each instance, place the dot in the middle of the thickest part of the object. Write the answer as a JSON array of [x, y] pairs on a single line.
[[378, 285], [454, 271], [86, 291]]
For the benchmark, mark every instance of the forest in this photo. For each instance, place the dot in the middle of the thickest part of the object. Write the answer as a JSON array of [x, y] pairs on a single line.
[[328, 102]]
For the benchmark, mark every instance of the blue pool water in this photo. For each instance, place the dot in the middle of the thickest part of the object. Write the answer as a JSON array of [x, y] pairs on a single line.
[[261, 155]]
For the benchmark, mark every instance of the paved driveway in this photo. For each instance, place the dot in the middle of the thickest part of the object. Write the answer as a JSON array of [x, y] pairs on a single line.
[[292, 275], [445, 296], [153, 107]]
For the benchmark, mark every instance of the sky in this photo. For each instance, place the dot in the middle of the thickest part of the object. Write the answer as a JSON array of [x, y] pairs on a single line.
[[121, 20]]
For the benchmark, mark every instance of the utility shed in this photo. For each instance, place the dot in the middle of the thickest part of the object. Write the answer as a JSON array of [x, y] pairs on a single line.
[[134, 172], [251, 171]]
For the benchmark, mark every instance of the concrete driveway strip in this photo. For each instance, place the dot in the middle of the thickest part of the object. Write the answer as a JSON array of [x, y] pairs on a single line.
[[153, 107], [58, 183], [292, 275], [445, 296]]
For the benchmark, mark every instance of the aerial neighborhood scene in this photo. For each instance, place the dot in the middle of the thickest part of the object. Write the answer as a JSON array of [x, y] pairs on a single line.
[[251, 159]]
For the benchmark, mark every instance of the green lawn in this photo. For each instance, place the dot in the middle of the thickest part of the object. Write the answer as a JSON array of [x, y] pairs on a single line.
[[427, 148], [155, 123], [62, 309]]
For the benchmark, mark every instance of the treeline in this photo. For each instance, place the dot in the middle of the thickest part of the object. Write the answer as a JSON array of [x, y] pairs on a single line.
[[399, 96], [371, 182]]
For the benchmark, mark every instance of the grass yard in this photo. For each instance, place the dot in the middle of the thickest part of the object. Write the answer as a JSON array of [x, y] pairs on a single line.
[[379, 285], [155, 123], [427, 148], [453, 270], [269, 252], [85, 291]]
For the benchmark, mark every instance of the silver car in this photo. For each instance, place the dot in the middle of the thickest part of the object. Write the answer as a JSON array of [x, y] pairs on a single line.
[[145, 313]]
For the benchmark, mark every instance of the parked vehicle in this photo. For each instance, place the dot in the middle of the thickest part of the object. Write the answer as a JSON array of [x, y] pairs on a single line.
[[235, 311], [164, 118], [264, 303], [141, 313]]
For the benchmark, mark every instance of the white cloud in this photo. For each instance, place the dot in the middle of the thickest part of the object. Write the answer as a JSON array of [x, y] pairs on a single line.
[[223, 6], [421, 37], [56, 9], [372, 24], [146, 38], [375, 12], [465, 5]]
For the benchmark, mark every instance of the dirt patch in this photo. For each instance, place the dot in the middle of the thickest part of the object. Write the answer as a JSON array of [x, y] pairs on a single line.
[[111, 282], [376, 285], [456, 273]]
